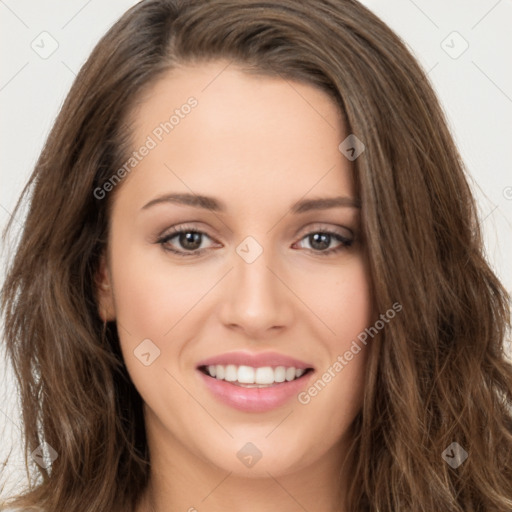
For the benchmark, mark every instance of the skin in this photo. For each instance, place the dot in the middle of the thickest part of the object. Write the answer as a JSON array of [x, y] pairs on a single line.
[[258, 144]]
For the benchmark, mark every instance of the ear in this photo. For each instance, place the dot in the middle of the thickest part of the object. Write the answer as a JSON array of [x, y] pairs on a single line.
[[104, 293]]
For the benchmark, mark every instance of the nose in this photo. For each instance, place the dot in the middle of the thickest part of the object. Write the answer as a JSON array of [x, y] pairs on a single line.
[[257, 299]]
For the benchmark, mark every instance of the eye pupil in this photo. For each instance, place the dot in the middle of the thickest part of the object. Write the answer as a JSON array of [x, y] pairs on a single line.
[[190, 240], [320, 241]]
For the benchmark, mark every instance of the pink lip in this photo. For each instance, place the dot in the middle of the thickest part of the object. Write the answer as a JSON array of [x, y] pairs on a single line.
[[255, 399], [272, 359]]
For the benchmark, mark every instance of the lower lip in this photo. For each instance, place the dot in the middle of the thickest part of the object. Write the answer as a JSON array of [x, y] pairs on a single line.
[[255, 399]]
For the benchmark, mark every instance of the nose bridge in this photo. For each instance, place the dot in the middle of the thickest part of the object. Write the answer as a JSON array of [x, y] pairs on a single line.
[[256, 299]]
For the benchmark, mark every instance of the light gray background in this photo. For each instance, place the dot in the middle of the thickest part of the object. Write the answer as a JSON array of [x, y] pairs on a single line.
[[475, 89]]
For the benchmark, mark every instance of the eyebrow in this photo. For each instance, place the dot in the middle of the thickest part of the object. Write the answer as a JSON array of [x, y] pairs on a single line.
[[210, 203]]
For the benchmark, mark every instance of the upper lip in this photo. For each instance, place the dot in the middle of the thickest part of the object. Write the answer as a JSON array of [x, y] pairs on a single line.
[[256, 360]]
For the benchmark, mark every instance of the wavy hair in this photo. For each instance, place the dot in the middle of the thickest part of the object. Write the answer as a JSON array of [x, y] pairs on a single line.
[[437, 374]]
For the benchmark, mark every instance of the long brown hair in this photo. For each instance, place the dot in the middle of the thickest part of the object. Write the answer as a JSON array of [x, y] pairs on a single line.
[[437, 374]]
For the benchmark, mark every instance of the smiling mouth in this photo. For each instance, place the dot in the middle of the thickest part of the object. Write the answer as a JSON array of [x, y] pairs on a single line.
[[250, 377]]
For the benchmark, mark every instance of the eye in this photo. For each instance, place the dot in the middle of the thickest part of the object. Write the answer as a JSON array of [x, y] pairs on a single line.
[[189, 239], [319, 241]]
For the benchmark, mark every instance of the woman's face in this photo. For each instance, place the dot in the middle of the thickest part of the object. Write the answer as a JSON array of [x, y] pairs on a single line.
[[263, 283]]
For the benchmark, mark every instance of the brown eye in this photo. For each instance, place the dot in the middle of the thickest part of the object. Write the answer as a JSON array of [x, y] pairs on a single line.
[[319, 241], [183, 242], [189, 240]]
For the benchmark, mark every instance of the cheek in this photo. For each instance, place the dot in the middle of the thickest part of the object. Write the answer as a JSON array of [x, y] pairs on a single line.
[[344, 304], [151, 295], [341, 298]]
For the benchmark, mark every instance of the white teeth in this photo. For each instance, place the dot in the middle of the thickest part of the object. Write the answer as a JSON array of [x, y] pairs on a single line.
[[290, 374], [247, 375], [231, 373], [219, 372], [280, 374], [264, 375]]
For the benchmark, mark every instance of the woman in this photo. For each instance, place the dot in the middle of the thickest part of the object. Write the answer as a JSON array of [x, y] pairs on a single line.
[[251, 275]]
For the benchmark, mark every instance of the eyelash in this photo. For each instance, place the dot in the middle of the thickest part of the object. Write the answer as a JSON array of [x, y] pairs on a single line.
[[175, 231]]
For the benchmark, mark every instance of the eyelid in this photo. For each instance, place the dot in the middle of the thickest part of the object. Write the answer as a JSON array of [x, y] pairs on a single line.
[[325, 227], [181, 227]]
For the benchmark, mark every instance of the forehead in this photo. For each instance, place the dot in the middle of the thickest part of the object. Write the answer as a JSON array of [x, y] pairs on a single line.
[[214, 129]]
